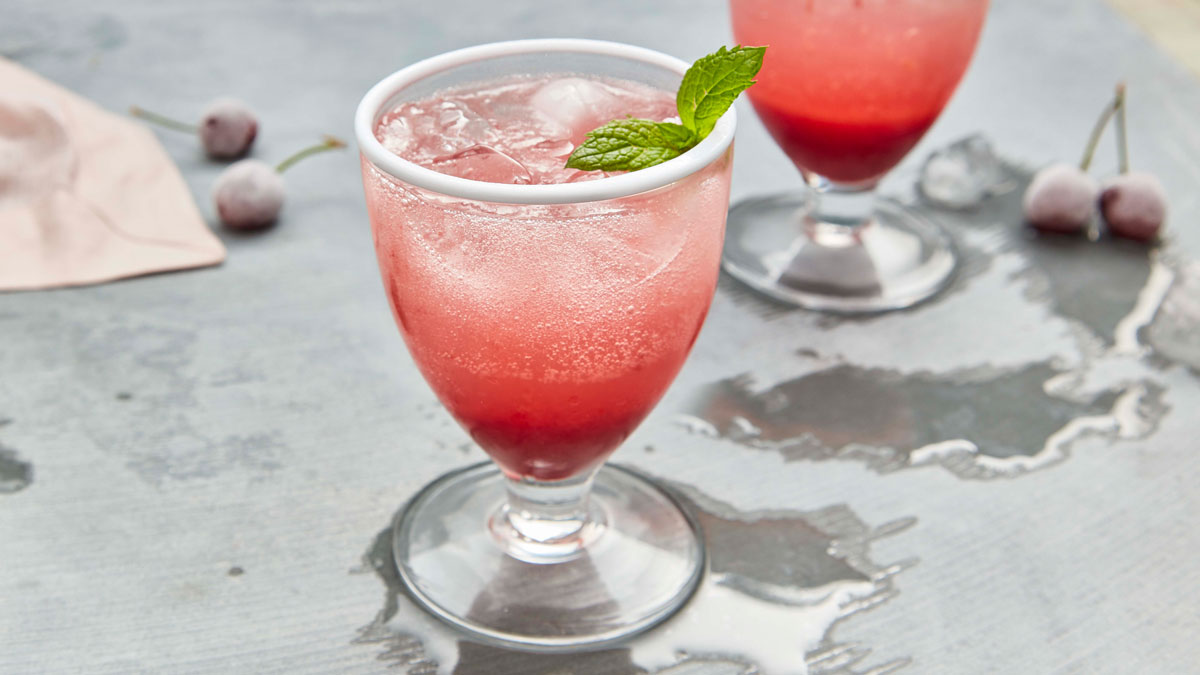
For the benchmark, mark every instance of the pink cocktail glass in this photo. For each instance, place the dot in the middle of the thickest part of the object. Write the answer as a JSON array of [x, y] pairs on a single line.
[[847, 88], [549, 311]]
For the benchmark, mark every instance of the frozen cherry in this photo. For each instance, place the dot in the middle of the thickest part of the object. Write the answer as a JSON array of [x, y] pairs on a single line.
[[249, 194], [1061, 198], [1134, 205], [227, 129]]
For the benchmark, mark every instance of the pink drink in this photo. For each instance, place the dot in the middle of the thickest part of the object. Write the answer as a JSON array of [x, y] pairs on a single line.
[[848, 87], [549, 332]]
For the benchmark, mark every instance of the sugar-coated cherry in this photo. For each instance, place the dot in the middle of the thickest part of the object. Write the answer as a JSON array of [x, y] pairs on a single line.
[[1134, 205], [248, 194], [1061, 198], [227, 129]]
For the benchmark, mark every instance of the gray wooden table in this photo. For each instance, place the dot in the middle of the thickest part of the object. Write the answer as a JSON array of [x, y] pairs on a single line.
[[196, 468]]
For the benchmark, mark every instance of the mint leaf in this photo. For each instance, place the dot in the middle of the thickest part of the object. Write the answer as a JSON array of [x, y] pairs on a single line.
[[713, 82], [709, 87], [630, 144]]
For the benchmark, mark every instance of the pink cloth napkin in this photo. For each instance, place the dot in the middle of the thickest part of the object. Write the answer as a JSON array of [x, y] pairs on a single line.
[[87, 196]]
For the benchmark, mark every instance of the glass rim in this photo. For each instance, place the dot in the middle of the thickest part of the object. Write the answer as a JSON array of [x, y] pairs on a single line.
[[613, 187]]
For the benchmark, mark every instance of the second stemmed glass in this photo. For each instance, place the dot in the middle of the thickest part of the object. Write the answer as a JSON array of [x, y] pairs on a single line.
[[846, 90]]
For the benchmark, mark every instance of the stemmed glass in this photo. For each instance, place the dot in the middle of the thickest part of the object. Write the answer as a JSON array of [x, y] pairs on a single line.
[[847, 88], [548, 319]]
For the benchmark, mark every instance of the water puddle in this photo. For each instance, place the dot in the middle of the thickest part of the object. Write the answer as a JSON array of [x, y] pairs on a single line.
[[777, 584], [1096, 284], [964, 421], [1173, 333], [15, 474]]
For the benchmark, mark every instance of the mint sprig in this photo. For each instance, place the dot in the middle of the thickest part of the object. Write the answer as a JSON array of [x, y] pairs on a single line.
[[712, 83], [630, 144], [709, 87]]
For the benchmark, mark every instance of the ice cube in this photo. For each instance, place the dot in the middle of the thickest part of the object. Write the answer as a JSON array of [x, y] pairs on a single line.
[[484, 163], [426, 129], [396, 135], [962, 174], [458, 122], [575, 105]]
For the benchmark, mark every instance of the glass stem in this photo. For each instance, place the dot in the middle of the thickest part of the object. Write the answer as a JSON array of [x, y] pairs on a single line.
[[838, 210], [547, 521]]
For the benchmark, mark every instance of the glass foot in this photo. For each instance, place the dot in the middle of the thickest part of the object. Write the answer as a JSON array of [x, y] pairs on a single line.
[[895, 260], [642, 561]]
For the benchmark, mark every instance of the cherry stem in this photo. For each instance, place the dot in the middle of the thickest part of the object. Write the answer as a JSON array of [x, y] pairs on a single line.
[[329, 143], [162, 120], [1122, 146], [1097, 131]]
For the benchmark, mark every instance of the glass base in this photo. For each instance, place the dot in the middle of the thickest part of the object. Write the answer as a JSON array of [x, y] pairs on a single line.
[[642, 560], [895, 260]]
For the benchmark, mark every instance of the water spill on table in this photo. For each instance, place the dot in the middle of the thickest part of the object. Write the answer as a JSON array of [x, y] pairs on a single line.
[[777, 583], [1173, 334], [1129, 306], [1094, 283], [891, 420], [15, 474]]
